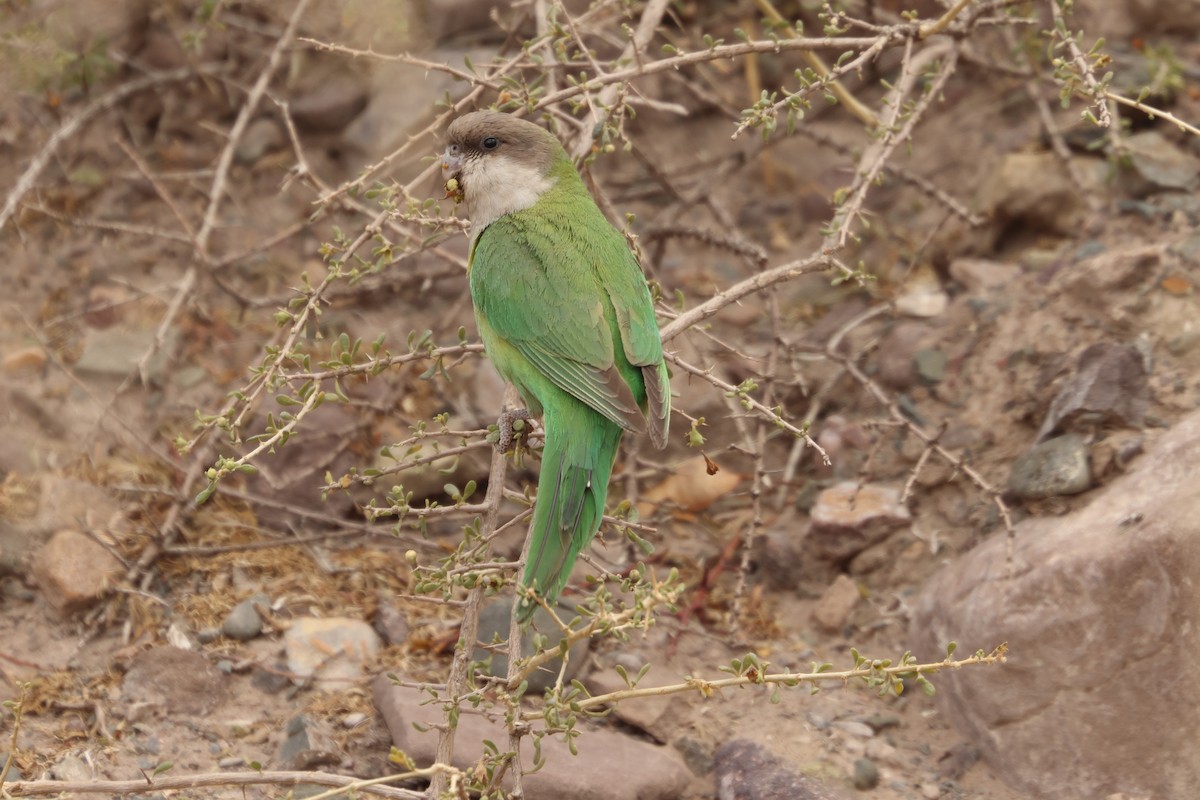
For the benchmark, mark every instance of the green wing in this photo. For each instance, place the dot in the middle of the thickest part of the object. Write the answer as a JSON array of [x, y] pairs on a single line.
[[553, 289]]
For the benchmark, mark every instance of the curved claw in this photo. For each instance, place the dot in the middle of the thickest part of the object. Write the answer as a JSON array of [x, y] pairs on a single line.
[[505, 424]]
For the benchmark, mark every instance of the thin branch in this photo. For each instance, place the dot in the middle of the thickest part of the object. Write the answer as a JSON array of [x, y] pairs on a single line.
[[161, 783], [73, 125]]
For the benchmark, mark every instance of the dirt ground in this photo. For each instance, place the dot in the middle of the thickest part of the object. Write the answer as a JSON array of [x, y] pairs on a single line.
[[128, 313]]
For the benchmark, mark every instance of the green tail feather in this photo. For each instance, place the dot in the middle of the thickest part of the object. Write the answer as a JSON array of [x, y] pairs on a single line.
[[577, 461]]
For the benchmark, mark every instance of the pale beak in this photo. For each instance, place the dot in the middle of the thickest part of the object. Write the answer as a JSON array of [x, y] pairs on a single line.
[[452, 164]]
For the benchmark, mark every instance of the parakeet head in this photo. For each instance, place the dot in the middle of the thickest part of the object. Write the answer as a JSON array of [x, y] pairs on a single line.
[[497, 164]]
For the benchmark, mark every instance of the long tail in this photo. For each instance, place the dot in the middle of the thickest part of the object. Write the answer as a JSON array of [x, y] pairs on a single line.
[[577, 461]]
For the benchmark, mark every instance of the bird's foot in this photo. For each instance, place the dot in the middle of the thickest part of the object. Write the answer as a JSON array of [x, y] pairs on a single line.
[[507, 429]]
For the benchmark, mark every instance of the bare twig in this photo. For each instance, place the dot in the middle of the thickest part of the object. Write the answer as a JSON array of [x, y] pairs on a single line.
[[176, 782], [73, 125]]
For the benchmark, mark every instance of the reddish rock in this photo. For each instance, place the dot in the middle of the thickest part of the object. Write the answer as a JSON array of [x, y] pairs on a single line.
[[836, 605], [74, 570], [1099, 611]]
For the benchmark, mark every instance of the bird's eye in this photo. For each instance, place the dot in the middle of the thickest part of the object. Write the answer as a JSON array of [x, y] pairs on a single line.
[[490, 143]]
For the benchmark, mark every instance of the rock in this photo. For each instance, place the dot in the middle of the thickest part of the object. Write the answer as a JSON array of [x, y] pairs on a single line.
[[309, 745], [979, 276], [923, 295], [894, 358], [1089, 600], [107, 305], [781, 553], [748, 771], [855, 728], [1035, 190], [401, 101], [329, 104], [1188, 248], [330, 649], [836, 604], [610, 765], [71, 768], [866, 774], [931, 365], [14, 773], [70, 503], [1109, 386], [271, 680], [73, 571], [114, 353], [494, 625], [391, 625], [243, 623], [697, 754], [660, 717], [261, 136], [173, 681], [1056, 467], [1157, 164], [1166, 16], [24, 363], [848, 518]]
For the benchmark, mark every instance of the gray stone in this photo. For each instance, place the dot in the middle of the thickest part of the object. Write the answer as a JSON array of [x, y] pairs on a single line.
[[354, 720], [329, 104], [1056, 467], [272, 679], [1156, 163], [391, 625], [71, 768], [866, 774], [115, 353], [848, 518], [310, 744], [1188, 248], [243, 623], [748, 771], [855, 728], [979, 276], [332, 650], [697, 754], [14, 773], [1110, 385], [260, 137], [894, 362], [494, 626], [173, 681], [931, 365], [1086, 602], [610, 765]]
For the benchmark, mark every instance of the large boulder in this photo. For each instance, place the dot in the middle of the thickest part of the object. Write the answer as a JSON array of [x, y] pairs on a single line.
[[1099, 695]]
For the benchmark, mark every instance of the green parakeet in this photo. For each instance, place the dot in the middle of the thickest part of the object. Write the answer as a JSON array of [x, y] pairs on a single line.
[[566, 317]]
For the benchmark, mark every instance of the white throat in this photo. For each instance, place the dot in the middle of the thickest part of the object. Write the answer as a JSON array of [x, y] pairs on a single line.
[[498, 186]]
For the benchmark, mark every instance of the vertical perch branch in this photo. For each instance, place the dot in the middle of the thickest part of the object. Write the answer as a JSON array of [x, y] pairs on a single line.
[[456, 683]]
